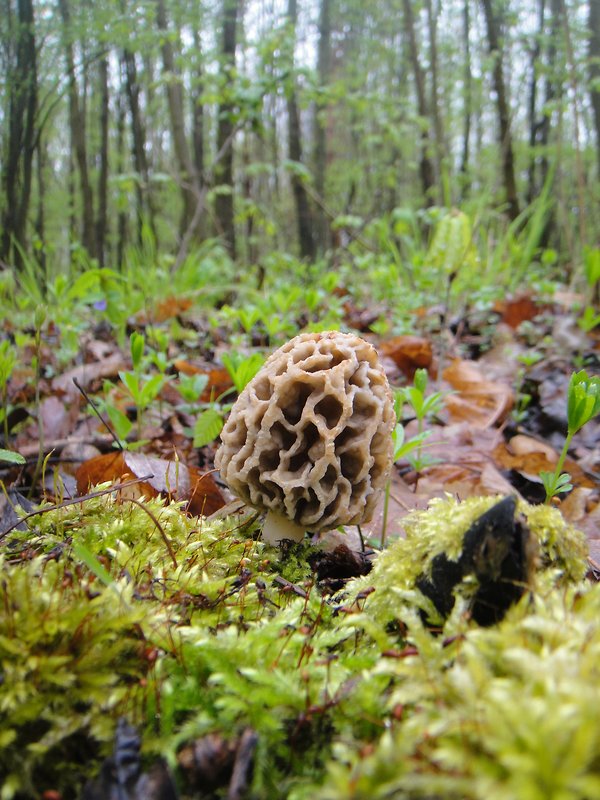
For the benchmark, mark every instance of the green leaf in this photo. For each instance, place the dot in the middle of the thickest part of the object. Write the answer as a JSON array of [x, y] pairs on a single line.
[[11, 458], [208, 426], [136, 346], [92, 563], [583, 400]]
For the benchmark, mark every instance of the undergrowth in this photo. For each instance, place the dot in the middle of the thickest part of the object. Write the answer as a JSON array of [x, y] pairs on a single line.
[[189, 628]]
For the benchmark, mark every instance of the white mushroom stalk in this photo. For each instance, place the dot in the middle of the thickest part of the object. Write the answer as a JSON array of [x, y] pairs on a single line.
[[309, 438]]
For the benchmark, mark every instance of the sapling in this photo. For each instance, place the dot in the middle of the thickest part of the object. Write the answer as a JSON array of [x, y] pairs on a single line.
[[8, 359], [210, 422], [411, 449], [142, 388], [583, 403]]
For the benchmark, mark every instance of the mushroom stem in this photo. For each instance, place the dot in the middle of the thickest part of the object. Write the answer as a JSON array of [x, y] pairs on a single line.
[[277, 527]]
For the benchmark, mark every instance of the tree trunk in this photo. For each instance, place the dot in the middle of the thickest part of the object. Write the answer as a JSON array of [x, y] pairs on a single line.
[[174, 87], [102, 218], [505, 136], [21, 139], [426, 167], [436, 113], [468, 101], [78, 135], [303, 214], [223, 173], [324, 73], [594, 53], [146, 212]]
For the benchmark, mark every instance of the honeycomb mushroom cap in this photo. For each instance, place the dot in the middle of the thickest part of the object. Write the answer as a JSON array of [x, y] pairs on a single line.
[[310, 436]]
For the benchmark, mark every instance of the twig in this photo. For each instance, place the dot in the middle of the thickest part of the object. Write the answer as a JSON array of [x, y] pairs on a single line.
[[96, 411], [73, 501]]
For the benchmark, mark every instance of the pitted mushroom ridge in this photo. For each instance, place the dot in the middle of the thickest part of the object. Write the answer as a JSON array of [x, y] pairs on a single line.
[[310, 436]]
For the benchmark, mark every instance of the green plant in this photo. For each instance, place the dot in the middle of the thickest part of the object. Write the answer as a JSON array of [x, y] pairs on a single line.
[[523, 398], [142, 387], [8, 359], [583, 403], [411, 449], [210, 422], [424, 406]]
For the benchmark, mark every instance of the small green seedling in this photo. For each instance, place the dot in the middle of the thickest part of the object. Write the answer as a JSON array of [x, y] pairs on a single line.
[[142, 388], [424, 407], [412, 449], [241, 370], [8, 359], [583, 404]]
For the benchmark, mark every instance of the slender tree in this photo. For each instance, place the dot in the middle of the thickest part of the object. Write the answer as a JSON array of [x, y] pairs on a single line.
[[303, 212], [188, 180], [324, 73], [594, 53], [426, 167], [224, 206], [17, 164], [79, 139], [502, 105], [467, 99]]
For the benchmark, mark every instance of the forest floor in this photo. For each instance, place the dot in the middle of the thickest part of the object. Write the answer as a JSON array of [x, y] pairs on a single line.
[[242, 664], [503, 419]]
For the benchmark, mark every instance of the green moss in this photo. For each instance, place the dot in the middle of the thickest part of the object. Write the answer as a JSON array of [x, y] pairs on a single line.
[[188, 628], [561, 553]]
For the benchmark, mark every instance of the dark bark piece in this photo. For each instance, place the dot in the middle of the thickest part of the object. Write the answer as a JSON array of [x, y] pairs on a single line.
[[497, 550], [121, 776], [334, 569]]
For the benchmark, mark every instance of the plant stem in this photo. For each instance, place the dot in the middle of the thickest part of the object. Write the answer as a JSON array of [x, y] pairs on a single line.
[[386, 503], [559, 464]]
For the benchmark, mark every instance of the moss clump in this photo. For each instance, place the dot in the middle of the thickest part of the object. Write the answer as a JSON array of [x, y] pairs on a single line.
[[560, 554], [193, 629]]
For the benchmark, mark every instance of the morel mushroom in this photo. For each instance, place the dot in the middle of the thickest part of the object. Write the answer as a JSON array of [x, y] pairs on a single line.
[[309, 438]]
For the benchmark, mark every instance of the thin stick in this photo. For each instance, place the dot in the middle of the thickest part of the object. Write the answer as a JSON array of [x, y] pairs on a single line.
[[96, 411]]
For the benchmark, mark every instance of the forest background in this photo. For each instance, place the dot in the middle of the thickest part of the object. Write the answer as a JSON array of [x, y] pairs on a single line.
[[311, 128]]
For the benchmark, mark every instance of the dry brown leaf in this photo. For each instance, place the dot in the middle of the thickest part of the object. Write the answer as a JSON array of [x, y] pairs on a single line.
[[480, 401], [518, 309], [57, 420], [529, 457], [86, 374], [172, 307], [409, 353], [170, 479]]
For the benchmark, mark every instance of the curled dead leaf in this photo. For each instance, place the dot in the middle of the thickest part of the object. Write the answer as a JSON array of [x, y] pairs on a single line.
[[409, 353], [169, 479], [480, 401]]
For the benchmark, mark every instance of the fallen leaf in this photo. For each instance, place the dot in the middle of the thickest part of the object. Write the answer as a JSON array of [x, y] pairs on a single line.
[[529, 457], [518, 309], [480, 401], [409, 353], [86, 374], [172, 307], [169, 479], [57, 421]]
